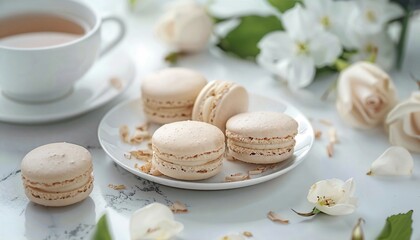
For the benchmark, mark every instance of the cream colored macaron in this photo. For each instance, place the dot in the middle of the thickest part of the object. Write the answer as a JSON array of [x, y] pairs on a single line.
[[218, 101], [169, 94], [57, 174], [261, 137], [188, 150]]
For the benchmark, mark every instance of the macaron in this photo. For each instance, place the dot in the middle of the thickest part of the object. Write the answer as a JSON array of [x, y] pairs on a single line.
[[169, 94], [57, 174], [261, 137], [218, 101], [188, 150]]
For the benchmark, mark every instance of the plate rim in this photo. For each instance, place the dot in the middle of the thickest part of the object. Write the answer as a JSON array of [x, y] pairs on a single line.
[[199, 185], [56, 117]]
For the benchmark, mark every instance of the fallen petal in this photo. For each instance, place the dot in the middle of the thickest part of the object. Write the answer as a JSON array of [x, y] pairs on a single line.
[[395, 161]]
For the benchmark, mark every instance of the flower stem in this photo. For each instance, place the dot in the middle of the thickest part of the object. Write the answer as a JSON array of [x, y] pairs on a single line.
[[314, 212], [341, 64], [402, 40], [172, 57]]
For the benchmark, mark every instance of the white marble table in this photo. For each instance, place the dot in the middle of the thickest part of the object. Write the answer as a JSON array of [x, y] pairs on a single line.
[[212, 213]]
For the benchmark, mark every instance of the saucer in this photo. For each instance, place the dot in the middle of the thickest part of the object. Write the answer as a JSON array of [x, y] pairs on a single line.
[[106, 80], [130, 113]]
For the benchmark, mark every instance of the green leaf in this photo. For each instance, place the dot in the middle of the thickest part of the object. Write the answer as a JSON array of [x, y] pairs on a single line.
[[283, 5], [243, 39], [397, 227], [102, 231]]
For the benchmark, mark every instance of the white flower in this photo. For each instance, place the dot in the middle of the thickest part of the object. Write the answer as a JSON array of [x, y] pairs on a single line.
[[332, 16], [394, 161], [293, 55], [367, 44], [370, 16], [403, 123], [186, 26], [154, 222], [333, 196], [365, 94]]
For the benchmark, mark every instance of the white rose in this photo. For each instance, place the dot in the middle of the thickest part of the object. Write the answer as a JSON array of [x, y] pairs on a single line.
[[333, 196], [185, 26], [154, 221], [365, 94], [403, 123]]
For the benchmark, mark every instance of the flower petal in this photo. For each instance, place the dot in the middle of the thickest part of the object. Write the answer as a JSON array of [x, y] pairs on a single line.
[[327, 187], [338, 209], [153, 220], [274, 47], [394, 161], [299, 71], [300, 24], [325, 48]]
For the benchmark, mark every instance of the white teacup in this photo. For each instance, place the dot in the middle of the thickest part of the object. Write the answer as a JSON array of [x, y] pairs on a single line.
[[47, 45]]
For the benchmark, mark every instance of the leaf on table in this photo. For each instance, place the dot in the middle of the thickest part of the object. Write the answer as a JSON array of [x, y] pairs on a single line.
[[283, 5], [102, 231], [397, 227], [243, 39]]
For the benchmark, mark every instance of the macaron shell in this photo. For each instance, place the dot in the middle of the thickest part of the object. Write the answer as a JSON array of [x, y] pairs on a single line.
[[262, 125], [188, 138], [219, 101], [235, 101], [176, 171], [59, 199], [173, 84], [56, 162]]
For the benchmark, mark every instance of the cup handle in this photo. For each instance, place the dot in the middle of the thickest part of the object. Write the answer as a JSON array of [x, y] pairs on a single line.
[[122, 29]]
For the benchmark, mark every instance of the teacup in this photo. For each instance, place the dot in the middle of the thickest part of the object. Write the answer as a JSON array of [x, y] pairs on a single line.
[[47, 45]]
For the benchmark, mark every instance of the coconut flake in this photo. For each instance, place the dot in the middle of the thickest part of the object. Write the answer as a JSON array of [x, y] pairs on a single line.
[[332, 133], [276, 218], [330, 149], [144, 155], [117, 187], [116, 83], [124, 133], [317, 134], [178, 207], [236, 177], [395, 161]]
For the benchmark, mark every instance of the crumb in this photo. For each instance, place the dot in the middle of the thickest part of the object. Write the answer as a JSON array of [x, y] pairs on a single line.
[[144, 155], [117, 187], [124, 133], [236, 177], [332, 133], [116, 83], [154, 172], [247, 234], [276, 218], [127, 156], [330, 149], [149, 145], [143, 126], [318, 134], [146, 167], [325, 122], [178, 207], [139, 136]]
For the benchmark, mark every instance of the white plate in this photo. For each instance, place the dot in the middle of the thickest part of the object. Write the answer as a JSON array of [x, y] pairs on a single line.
[[90, 92], [130, 113]]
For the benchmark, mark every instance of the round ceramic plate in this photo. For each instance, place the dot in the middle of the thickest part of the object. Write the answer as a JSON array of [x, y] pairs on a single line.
[[130, 113], [106, 80]]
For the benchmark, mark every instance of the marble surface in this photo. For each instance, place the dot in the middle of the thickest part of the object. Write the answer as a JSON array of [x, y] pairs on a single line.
[[212, 213]]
